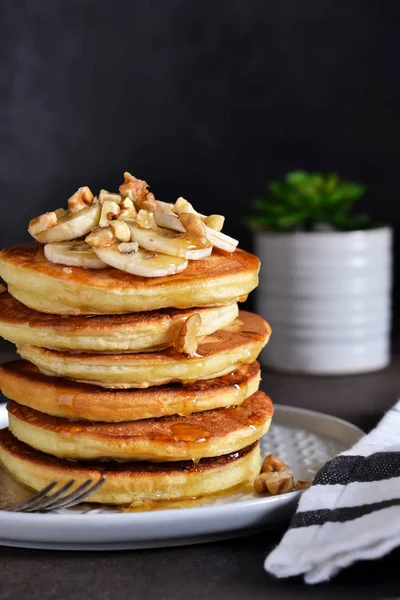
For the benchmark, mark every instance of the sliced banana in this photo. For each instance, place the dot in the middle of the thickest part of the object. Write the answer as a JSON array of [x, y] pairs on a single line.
[[70, 225], [169, 220], [165, 207], [221, 240], [141, 262], [73, 254], [168, 242]]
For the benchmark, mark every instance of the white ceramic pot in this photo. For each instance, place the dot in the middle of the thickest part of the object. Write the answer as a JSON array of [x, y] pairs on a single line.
[[327, 296]]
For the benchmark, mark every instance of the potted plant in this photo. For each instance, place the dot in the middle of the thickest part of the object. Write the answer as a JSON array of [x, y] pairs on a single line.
[[325, 279]]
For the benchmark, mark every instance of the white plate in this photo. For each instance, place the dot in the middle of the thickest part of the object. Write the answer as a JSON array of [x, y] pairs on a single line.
[[304, 439]]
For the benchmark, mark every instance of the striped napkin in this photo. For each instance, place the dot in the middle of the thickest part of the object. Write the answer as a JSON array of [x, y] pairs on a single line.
[[350, 513]]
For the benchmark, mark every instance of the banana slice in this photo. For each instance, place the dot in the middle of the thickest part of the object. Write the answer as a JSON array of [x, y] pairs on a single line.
[[165, 207], [73, 254], [168, 242], [169, 221], [70, 226], [166, 218], [141, 262], [221, 240]]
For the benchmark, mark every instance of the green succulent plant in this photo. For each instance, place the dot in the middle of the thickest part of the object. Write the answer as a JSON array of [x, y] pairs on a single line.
[[305, 201]]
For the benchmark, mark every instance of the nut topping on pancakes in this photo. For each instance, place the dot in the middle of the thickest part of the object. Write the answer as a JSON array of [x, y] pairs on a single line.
[[132, 216], [187, 339], [82, 198]]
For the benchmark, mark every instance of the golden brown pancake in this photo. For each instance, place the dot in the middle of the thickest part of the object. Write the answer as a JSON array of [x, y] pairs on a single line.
[[134, 332], [217, 354], [219, 279], [128, 482], [65, 398], [199, 435]]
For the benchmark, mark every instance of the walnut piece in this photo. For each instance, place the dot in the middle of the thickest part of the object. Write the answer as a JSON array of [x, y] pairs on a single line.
[[101, 237], [128, 247], [121, 230], [215, 222], [145, 220], [127, 209], [109, 211], [273, 483], [272, 464], [183, 206], [302, 485], [187, 339], [42, 223], [82, 198], [195, 228], [150, 203], [136, 190]]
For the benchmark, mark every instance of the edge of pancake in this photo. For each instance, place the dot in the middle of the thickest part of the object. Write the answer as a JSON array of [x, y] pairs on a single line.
[[248, 328], [219, 279], [31, 257], [70, 399], [200, 435], [217, 354], [109, 468], [253, 412], [131, 482], [15, 313]]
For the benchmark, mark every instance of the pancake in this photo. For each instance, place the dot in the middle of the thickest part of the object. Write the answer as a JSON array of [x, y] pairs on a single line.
[[69, 399], [129, 482], [219, 279], [199, 435], [217, 354], [135, 332]]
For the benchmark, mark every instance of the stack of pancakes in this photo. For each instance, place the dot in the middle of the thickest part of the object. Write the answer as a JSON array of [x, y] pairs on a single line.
[[102, 390]]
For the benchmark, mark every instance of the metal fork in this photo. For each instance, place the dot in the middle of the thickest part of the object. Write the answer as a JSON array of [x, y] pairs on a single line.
[[45, 501]]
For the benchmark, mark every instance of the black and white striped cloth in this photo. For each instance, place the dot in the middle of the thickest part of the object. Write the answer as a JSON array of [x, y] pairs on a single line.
[[350, 513]]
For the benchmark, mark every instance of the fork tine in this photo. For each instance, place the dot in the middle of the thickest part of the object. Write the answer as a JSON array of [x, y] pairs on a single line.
[[34, 500], [80, 494], [47, 503]]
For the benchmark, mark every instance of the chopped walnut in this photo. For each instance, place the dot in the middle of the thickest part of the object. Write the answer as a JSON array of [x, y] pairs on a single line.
[[101, 237], [42, 223], [82, 198], [272, 464], [302, 485], [187, 339], [136, 190], [133, 188], [150, 203], [105, 195], [128, 247], [195, 228], [215, 222], [274, 483], [183, 206], [127, 209], [121, 230], [145, 220], [110, 210]]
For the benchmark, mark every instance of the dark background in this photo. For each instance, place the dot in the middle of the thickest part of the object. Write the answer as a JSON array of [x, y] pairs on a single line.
[[206, 99]]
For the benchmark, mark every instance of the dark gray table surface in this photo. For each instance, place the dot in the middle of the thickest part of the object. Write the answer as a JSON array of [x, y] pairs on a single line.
[[229, 570]]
